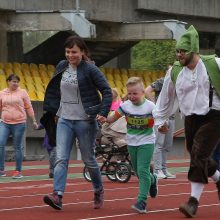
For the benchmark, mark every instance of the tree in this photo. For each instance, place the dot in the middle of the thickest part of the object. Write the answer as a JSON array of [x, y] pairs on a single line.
[[153, 54]]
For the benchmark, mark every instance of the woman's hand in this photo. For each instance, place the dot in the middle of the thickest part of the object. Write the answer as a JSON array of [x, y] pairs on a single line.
[[56, 118], [35, 125]]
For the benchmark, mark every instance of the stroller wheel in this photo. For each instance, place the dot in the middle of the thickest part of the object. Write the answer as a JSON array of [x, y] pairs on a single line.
[[110, 171], [86, 174], [123, 172]]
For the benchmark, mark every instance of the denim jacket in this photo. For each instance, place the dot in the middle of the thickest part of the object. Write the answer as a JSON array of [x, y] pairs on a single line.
[[90, 81]]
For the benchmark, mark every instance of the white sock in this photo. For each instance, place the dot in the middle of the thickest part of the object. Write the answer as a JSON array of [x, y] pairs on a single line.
[[216, 176], [197, 189]]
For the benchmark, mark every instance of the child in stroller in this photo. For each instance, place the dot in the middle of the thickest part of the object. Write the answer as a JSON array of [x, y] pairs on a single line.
[[111, 150], [113, 136]]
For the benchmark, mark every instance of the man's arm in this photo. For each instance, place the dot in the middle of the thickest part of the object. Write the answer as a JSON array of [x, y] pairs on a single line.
[[149, 93]]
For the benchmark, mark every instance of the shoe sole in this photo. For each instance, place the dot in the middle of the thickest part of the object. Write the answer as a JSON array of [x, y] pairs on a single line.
[[98, 206], [183, 210], [168, 177], [17, 177], [49, 202], [138, 210]]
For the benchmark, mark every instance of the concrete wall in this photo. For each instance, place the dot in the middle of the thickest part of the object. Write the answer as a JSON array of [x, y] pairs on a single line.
[[201, 8], [119, 10]]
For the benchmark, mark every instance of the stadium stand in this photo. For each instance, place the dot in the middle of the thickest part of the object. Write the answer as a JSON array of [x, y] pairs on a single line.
[[34, 78]]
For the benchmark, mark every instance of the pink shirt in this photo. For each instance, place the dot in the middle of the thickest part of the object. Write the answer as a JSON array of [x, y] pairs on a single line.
[[115, 105], [14, 105]]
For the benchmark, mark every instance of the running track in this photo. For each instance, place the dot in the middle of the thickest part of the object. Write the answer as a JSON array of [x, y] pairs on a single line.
[[22, 199]]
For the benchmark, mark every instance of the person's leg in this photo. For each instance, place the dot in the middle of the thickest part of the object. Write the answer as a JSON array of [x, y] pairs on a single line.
[[157, 155], [86, 132], [4, 134], [52, 159], [142, 155], [202, 134], [168, 143], [17, 136], [132, 150], [216, 155], [64, 139]]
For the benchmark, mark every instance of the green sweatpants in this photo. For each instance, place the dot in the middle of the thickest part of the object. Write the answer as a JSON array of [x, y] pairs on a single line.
[[141, 158]]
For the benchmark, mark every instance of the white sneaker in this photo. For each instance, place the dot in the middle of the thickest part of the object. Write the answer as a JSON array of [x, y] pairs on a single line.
[[160, 174], [169, 175]]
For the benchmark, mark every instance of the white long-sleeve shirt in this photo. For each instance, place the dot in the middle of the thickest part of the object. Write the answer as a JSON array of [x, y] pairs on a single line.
[[190, 94]]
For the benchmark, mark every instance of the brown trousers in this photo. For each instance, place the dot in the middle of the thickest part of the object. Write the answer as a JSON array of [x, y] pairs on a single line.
[[202, 134]]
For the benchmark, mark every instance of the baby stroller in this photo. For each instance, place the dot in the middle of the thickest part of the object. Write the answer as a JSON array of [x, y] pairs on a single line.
[[111, 151]]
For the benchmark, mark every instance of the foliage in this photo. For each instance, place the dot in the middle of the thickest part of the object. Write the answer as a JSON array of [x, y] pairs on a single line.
[[153, 54]]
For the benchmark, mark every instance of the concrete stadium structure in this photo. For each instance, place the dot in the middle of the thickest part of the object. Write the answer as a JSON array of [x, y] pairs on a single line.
[[110, 28]]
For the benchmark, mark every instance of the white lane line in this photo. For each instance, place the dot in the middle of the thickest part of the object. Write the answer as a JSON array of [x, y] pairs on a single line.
[[72, 192], [86, 191], [90, 202], [162, 184], [153, 211]]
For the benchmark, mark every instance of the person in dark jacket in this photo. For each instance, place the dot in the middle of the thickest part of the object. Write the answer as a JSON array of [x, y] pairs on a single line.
[[73, 94]]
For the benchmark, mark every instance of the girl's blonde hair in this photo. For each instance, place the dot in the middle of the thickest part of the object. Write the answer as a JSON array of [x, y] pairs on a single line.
[[134, 80], [116, 91]]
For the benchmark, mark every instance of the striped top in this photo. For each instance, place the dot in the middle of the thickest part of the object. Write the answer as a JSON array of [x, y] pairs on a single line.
[[140, 122]]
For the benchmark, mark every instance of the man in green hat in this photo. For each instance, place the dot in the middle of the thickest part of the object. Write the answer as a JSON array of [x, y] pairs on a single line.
[[193, 85]]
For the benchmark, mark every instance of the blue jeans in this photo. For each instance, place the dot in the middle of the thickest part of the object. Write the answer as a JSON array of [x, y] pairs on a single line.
[[67, 132], [17, 132]]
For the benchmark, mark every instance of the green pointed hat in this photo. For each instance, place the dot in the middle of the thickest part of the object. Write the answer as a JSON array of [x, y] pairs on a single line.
[[189, 41]]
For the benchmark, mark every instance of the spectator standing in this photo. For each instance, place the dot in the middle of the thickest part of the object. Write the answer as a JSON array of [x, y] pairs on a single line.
[[14, 103], [164, 142], [73, 95]]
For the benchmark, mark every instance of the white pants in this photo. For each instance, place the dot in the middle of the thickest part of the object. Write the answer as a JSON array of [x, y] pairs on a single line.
[[163, 145]]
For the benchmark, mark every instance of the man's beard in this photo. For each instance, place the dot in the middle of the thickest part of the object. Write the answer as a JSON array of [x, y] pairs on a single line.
[[187, 60]]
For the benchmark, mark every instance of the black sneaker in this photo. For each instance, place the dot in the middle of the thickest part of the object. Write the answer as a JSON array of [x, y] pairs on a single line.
[[140, 206], [154, 187], [189, 208], [54, 201], [98, 199], [218, 188]]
